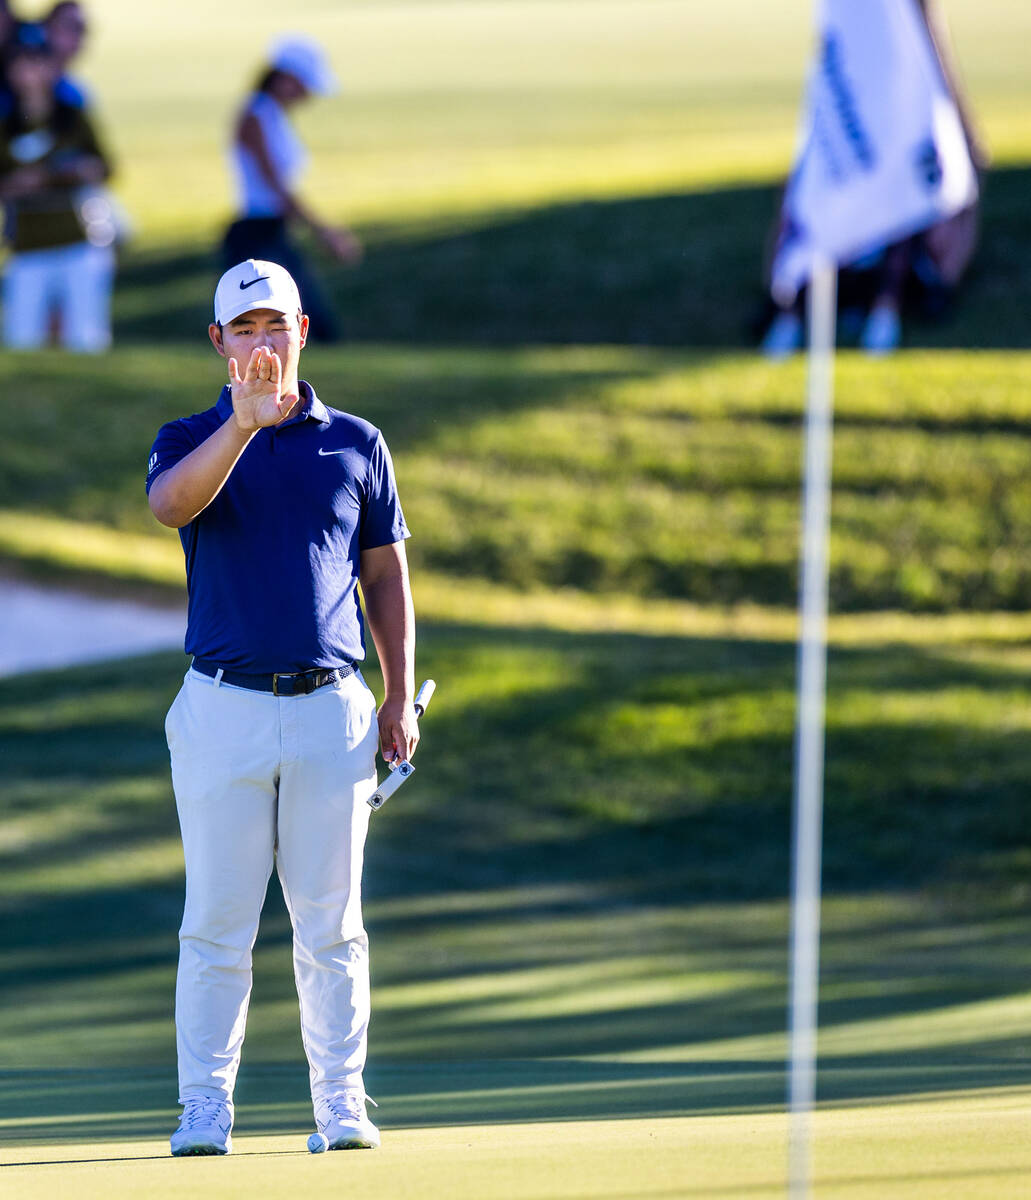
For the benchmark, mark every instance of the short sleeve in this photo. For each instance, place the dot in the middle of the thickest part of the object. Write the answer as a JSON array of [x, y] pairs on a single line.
[[383, 522], [72, 93], [173, 442]]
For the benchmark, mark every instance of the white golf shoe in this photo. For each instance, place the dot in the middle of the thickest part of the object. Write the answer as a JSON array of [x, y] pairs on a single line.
[[345, 1122], [882, 331], [784, 336], [204, 1128]]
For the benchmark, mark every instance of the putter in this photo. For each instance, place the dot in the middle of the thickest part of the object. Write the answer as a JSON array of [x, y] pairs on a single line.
[[401, 771]]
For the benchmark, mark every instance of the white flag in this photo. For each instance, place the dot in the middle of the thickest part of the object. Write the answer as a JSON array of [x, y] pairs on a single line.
[[882, 149]]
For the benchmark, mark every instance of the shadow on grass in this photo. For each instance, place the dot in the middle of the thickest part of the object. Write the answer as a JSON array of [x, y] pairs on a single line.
[[133, 1104], [673, 270], [640, 760], [592, 925]]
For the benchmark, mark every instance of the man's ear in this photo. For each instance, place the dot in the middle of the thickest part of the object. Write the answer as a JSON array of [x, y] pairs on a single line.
[[215, 333], [303, 324]]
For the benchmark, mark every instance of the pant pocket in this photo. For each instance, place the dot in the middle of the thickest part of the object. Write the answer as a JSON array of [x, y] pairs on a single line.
[[171, 717]]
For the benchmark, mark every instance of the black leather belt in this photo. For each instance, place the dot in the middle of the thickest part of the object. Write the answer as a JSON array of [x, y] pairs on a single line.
[[299, 683]]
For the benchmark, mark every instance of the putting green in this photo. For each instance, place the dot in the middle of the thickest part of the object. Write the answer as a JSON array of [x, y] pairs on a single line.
[[971, 1146]]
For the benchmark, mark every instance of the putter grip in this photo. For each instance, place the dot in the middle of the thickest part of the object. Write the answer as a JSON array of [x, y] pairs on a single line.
[[424, 696]]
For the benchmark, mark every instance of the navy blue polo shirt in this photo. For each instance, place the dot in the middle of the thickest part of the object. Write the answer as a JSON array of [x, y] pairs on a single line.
[[272, 562]]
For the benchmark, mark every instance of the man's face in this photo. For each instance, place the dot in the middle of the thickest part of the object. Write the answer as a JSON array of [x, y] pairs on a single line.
[[284, 333], [291, 90], [30, 74], [66, 30]]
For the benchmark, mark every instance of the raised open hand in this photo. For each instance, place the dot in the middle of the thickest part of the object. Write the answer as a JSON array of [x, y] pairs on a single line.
[[257, 397]]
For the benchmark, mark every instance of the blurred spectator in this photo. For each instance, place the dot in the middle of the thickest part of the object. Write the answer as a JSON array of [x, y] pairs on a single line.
[[923, 270], [8, 21], [65, 29], [9, 28], [62, 258], [268, 157]]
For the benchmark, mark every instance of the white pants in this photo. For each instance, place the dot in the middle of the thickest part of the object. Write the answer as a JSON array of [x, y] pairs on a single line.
[[257, 779], [73, 281]]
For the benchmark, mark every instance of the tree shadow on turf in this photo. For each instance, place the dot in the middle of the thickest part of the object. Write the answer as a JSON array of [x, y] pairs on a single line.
[[668, 270], [529, 911]]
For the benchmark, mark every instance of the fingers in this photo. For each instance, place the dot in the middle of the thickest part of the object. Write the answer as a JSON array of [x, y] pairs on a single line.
[[413, 741], [234, 373], [269, 367], [398, 739], [286, 403], [264, 366], [387, 737]]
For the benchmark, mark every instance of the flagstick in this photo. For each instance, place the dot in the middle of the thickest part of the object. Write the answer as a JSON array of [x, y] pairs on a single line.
[[809, 730]]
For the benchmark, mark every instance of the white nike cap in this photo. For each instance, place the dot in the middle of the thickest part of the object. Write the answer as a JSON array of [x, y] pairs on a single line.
[[307, 61], [255, 284]]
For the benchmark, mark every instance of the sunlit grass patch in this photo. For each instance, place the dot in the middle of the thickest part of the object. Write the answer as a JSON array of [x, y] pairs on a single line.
[[620, 472]]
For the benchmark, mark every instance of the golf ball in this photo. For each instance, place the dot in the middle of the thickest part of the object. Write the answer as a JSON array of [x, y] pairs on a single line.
[[317, 1143]]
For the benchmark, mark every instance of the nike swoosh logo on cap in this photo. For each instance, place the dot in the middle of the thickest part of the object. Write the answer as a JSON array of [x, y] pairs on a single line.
[[244, 286]]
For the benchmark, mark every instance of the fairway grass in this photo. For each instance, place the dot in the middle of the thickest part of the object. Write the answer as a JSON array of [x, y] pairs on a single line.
[[973, 1147], [578, 908], [621, 471], [471, 106]]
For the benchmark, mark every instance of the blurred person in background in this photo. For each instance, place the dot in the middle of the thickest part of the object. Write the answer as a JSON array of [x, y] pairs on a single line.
[[60, 269], [268, 158], [8, 21], [65, 29], [10, 25], [923, 270]]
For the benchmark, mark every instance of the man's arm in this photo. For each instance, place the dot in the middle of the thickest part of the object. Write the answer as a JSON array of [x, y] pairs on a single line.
[[186, 489], [391, 618]]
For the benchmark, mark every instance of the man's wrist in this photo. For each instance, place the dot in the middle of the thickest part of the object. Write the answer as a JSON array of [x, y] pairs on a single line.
[[240, 428]]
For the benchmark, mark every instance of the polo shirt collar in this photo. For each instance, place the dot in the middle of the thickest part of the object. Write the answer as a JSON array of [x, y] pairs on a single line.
[[314, 409], [311, 406]]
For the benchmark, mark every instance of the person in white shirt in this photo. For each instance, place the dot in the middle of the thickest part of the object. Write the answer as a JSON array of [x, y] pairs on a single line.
[[268, 158]]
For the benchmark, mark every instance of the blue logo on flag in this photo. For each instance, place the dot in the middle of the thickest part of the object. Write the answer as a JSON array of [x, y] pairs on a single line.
[[928, 165]]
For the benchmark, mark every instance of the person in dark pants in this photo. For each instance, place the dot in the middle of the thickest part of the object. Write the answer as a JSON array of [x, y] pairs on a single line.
[[268, 158], [922, 271]]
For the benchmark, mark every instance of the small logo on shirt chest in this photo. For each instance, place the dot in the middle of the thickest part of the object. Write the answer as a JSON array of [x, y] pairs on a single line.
[[324, 453]]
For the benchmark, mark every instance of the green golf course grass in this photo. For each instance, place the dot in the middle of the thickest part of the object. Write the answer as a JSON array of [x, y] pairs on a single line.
[[660, 1159], [606, 470], [578, 907]]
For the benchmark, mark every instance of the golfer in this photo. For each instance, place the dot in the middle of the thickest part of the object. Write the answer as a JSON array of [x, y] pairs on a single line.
[[283, 505]]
